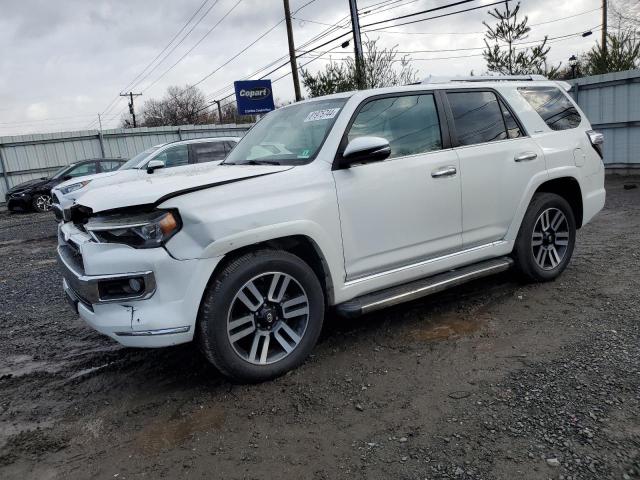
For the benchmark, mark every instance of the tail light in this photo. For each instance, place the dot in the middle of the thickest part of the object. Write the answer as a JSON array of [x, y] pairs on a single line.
[[597, 140]]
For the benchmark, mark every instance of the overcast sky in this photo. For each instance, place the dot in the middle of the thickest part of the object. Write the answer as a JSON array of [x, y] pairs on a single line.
[[61, 62]]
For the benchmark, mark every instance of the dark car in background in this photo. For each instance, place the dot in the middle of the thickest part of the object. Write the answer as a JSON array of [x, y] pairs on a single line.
[[36, 194]]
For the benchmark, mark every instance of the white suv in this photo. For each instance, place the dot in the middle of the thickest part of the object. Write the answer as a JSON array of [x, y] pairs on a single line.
[[357, 201], [171, 158]]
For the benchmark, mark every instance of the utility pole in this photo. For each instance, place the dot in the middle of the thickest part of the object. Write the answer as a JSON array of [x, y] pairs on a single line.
[[100, 138], [217, 102], [357, 41], [131, 107], [604, 29], [292, 51]]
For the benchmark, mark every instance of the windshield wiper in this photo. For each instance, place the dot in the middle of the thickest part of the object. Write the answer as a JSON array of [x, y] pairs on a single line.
[[254, 162]]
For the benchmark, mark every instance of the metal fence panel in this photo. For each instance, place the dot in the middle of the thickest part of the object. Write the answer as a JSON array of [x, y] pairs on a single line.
[[27, 157], [612, 104]]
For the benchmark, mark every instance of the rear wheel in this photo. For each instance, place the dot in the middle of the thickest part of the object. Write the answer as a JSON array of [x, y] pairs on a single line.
[[42, 202], [261, 316], [546, 238]]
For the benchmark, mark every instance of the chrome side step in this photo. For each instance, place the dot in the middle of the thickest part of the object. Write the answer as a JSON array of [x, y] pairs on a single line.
[[423, 287]]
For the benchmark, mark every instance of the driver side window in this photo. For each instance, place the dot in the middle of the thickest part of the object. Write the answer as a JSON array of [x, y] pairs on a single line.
[[409, 123], [174, 156]]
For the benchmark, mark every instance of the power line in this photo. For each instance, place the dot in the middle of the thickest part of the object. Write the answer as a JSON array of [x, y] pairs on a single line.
[[429, 10], [133, 83], [129, 85], [194, 46], [438, 16], [173, 49]]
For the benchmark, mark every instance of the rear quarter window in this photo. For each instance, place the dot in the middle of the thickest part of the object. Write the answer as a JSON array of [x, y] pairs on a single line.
[[553, 106]]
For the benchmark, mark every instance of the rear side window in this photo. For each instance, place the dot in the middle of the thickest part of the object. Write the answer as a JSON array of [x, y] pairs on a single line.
[[553, 106], [513, 129], [209, 152], [478, 117], [110, 165], [410, 124]]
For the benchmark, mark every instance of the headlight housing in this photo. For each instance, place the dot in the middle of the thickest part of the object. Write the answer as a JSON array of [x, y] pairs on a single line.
[[139, 230], [74, 186]]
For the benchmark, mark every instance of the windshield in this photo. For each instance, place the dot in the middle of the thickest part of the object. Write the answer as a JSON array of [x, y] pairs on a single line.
[[288, 136], [134, 161], [60, 172]]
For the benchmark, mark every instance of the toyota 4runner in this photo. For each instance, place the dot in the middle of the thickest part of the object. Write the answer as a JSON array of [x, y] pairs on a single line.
[[355, 201]]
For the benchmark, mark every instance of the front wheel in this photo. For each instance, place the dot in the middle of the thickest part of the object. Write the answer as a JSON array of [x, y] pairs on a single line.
[[42, 202], [546, 238], [261, 316]]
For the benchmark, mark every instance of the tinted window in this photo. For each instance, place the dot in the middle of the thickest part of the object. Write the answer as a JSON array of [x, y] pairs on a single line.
[[410, 124], [477, 117], [110, 165], [174, 156], [553, 106], [512, 126], [83, 169], [209, 152]]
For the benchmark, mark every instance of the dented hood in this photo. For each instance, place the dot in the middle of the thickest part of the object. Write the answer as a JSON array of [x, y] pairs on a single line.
[[153, 188]]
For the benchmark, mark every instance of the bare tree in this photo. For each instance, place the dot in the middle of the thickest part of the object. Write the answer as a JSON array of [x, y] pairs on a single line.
[[180, 106], [625, 15]]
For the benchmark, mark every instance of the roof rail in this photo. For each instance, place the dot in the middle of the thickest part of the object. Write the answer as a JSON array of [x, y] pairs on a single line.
[[485, 78]]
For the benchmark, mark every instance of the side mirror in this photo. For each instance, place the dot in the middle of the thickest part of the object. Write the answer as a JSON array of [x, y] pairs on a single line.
[[154, 165], [365, 150]]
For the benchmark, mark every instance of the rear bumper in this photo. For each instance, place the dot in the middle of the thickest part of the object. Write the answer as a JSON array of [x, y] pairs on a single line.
[[595, 196]]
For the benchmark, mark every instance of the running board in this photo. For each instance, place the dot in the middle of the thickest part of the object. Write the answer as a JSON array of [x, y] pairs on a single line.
[[421, 288]]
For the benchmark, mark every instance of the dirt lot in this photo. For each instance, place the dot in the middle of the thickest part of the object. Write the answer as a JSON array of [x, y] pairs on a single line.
[[493, 380]]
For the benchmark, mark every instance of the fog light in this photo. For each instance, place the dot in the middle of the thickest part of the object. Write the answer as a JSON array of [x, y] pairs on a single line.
[[136, 285]]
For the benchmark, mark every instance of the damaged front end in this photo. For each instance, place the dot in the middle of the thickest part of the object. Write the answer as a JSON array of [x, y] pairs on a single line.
[[121, 280]]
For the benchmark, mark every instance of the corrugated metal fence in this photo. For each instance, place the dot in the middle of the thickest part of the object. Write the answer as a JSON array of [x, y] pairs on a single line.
[[27, 157], [612, 103]]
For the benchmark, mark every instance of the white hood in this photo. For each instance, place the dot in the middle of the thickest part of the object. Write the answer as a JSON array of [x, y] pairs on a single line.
[[151, 188]]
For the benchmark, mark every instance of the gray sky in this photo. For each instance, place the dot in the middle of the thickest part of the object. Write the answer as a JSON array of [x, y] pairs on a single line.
[[64, 61]]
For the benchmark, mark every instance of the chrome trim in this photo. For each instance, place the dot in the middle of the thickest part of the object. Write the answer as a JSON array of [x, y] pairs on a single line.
[[526, 157], [452, 281], [86, 286], [422, 263], [152, 333], [444, 172]]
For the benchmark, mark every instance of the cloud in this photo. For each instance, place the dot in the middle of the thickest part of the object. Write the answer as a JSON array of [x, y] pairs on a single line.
[[72, 58]]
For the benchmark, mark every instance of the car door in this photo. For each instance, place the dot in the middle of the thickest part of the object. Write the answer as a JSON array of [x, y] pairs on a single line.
[[206, 152], [407, 208], [497, 162]]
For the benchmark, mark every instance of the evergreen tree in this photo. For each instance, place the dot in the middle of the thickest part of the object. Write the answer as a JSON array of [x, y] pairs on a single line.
[[503, 55]]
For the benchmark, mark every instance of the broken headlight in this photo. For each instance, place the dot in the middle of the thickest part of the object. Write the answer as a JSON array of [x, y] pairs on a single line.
[[138, 230]]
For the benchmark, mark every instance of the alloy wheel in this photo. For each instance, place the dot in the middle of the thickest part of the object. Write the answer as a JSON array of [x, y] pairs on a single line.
[[43, 203], [268, 318], [550, 238]]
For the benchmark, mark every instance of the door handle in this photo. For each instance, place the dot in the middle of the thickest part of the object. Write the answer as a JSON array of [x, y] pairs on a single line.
[[526, 157], [444, 172]]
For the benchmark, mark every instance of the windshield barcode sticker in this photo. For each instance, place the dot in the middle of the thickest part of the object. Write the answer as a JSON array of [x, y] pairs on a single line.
[[325, 114]]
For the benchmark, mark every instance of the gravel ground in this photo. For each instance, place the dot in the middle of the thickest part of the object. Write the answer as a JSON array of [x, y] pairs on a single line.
[[492, 380]]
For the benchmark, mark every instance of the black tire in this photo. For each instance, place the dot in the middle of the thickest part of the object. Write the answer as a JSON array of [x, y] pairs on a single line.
[[218, 301], [41, 202], [528, 256]]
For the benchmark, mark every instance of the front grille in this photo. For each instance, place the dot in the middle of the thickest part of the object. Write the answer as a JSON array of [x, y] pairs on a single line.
[[73, 257]]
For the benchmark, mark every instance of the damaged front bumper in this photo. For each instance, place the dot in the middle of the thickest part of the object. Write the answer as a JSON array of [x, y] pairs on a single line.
[[138, 297]]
